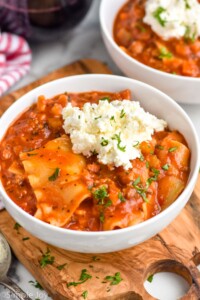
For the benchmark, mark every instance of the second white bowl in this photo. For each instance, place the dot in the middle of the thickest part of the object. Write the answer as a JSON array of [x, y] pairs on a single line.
[[182, 89]]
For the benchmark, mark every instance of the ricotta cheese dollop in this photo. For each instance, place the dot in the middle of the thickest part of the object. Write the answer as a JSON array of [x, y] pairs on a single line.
[[173, 18], [112, 130]]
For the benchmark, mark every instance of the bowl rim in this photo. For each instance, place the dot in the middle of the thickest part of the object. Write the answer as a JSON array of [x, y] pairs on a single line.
[[132, 59], [139, 226]]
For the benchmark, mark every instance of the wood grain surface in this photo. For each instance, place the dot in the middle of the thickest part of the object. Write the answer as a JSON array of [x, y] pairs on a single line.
[[176, 249]]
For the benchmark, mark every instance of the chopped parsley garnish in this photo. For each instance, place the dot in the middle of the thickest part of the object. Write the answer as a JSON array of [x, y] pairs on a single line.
[[164, 53], [160, 147], [165, 167], [136, 144], [26, 238], [140, 189], [55, 175], [105, 98], [172, 149], [108, 203], [83, 278], [84, 294], [112, 118], [147, 164], [94, 152], [114, 280], [121, 197], [141, 157], [154, 177], [118, 139], [46, 259], [100, 194], [98, 117], [187, 5], [61, 267], [189, 35], [104, 142], [17, 226], [136, 181], [157, 15], [122, 113], [150, 278], [101, 217], [36, 284]]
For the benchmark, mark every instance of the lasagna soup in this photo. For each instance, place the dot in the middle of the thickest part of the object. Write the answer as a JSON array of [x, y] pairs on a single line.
[[164, 35], [50, 176]]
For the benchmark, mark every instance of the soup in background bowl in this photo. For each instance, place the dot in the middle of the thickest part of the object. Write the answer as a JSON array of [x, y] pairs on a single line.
[[147, 68]]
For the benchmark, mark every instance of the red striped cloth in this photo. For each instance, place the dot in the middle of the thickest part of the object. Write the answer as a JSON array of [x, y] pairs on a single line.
[[15, 60]]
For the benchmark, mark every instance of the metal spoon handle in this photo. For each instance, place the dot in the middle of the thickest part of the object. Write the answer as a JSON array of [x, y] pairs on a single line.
[[7, 282]]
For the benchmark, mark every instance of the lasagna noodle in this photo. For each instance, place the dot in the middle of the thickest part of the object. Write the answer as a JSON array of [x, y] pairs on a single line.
[[54, 173]]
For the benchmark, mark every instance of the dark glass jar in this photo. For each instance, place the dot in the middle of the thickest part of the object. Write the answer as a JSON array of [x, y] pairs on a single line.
[[41, 20]]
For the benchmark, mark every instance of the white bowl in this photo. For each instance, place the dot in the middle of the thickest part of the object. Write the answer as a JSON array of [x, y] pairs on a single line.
[[106, 241], [182, 89]]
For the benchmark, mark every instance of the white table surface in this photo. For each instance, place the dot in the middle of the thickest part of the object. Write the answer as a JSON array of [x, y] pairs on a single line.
[[85, 42]]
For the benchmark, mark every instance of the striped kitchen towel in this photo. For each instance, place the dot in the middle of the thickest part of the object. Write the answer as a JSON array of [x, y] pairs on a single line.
[[15, 60]]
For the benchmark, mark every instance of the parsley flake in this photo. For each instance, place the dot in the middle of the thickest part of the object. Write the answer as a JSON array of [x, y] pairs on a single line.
[[61, 267], [83, 278], [104, 142], [172, 149], [136, 181], [112, 118], [141, 158], [165, 167], [106, 98], [158, 15], [136, 144], [140, 189], [36, 284], [108, 203], [84, 294], [189, 35], [164, 53], [55, 175], [101, 217], [187, 5], [118, 139], [121, 197], [122, 113], [100, 194], [114, 280], [17, 226], [159, 147], [150, 278], [154, 177], [46, 259]]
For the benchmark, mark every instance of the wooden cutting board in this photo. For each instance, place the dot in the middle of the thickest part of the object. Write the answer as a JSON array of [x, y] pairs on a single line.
[[176, 249]]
